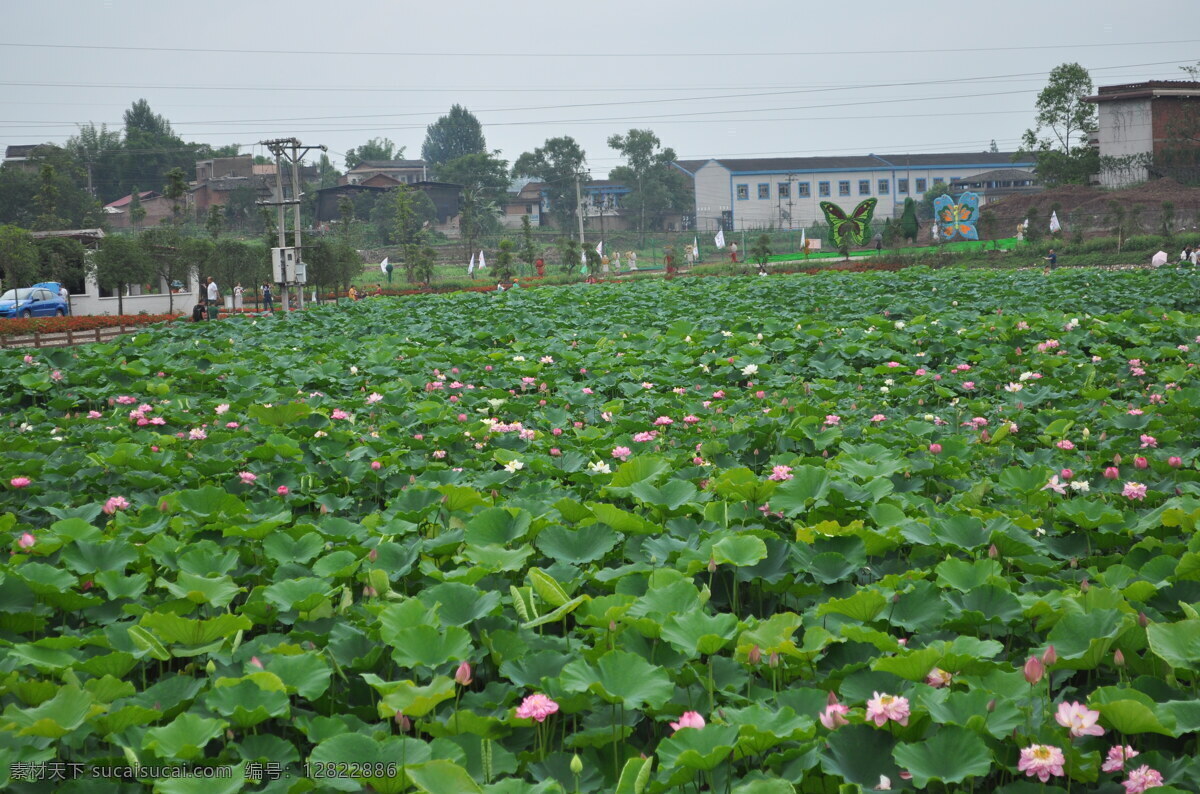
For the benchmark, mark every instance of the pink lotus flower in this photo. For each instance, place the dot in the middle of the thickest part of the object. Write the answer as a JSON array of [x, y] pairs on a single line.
[[222, 408], [1079, 719], [26, 541], [115, 503], [1056, 485], [125, 399], [197, 434], [1134, 490], [20, 482], [1042, 761], [938, 677], [247, 476], [645, 436], [921, 371], [463, 674], [832, 419], [1112, 473], [55, 375], [689, 719], [438, 454], [935, 449], [1140, 462], [969, 385], [537, 707], [586, 390], [254, 662], [338, 413], [374, 397], [780, 473], [1117, 756], [1065, 444], [376, 465], [691, 419], [664, 421], [884, 707], [1141, 779], [283, 490], [1034, 670], [94, 414], [555, 452], [1066, 474], [1148, 441], [878, 418], [718, 395], [230, 425], [622, 453], [834, 714]]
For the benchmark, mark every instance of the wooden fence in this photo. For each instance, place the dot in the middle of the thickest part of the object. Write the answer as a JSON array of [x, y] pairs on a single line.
[[66, 338]]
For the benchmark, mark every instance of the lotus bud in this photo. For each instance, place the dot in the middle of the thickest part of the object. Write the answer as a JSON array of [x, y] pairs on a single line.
[[1086, 434], [210, 668], [712, 565], [403, 721], [1034, 670], [991, 705], [228, 735], [373, 555], [463, 674], [1118, 658], [1050, 656], [993, 552], [895, 598], [773, 660], [1143, 621], [832, 700], [1073, 563], [576, 765], [612, 625], [1085, 585], [1117, 459], [755, 655]]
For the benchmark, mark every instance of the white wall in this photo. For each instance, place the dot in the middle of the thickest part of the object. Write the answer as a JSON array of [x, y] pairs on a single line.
[[1126, 128], [90, 302], [717, 190]]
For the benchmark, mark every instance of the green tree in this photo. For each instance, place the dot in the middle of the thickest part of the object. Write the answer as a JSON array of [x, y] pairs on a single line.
[[214, 222], [568, 249], [455, 135], [119, 263], [504, 260], [98, 149], [327, 175], [760, 252], [386, 224], [486, 174], [559, 164], [658, 187], [137, 213], [925, 209], [528, 250], [62, 259], [163, 251], [175, 190], [374, 149], [1167, 220], [18, 258], [987, 222], [47, 199], [1063, 155], [409, 230], [152, 149]]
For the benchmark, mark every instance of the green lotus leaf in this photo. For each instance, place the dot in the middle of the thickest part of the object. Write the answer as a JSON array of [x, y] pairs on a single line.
[[245, 705], [739, 550], [283, 548], [622, 521], [306, 674], [1129, 711], [442, 777], [807, 488], [586, 544], [635, 775], [699, 634], [407, 697], [620, 677], [864, 605], [497, 526], [1177, 644], [459, 604], [184, 738], [172, 628], [53, 719], [217, 592], [429, 646], [279, 414], [642, 469], [300, 595], [950, 755], [701, 749]]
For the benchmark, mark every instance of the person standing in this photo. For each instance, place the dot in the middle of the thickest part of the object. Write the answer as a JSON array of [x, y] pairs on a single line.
[[65, 295], [1052, 259], [353, 293], [267, 297], [733, 253], [213, 295], [633, 260], [237, 297]]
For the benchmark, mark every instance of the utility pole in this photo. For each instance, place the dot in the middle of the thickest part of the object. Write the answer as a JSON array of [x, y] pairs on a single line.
[[294, 151], [579, 210]]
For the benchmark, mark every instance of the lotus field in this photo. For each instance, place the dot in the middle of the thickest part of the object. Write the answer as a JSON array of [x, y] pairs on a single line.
[[918, 530]]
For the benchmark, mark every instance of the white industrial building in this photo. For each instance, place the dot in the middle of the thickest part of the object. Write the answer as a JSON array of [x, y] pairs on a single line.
[[784, 192]]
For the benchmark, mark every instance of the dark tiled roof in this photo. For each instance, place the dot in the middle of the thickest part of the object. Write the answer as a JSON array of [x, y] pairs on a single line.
[[388, 164], [690, 165]]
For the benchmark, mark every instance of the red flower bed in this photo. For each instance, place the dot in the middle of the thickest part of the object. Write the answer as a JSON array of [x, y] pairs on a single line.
[[58, 325]]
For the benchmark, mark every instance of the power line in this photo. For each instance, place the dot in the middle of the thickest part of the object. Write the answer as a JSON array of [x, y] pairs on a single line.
[[576, 55]]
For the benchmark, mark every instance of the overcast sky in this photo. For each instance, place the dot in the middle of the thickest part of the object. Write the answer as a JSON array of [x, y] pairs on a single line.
[[712, 79]]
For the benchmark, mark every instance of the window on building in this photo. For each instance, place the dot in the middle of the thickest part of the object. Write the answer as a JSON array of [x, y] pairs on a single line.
[[883, 187], [802, 189], [784, 189], [902, 186], [844, 187], [764, 190], [743, 192], [823, 188], [864, 187], [921, 185]]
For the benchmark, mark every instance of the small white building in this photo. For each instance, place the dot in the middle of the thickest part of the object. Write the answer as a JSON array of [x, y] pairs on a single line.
[[1144, 128], [784, 192]]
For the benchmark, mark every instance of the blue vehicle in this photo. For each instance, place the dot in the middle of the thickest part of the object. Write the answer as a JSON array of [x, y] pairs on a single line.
[[40, 300]]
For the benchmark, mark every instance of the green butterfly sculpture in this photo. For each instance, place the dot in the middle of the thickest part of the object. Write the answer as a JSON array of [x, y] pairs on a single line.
[[852, 230]]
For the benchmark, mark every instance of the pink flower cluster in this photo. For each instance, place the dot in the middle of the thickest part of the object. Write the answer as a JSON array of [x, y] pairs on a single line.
[[537, 707]]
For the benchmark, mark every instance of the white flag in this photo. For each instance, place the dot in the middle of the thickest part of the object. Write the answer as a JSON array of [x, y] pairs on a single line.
[[471, 267], [695, 247], [719, 240], [383, 264], [803, 240], [482, 261], [1054, 225], [600, 248]]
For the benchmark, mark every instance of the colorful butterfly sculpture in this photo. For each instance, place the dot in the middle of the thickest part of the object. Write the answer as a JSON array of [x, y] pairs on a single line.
[[846, 231], [957, 219]]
